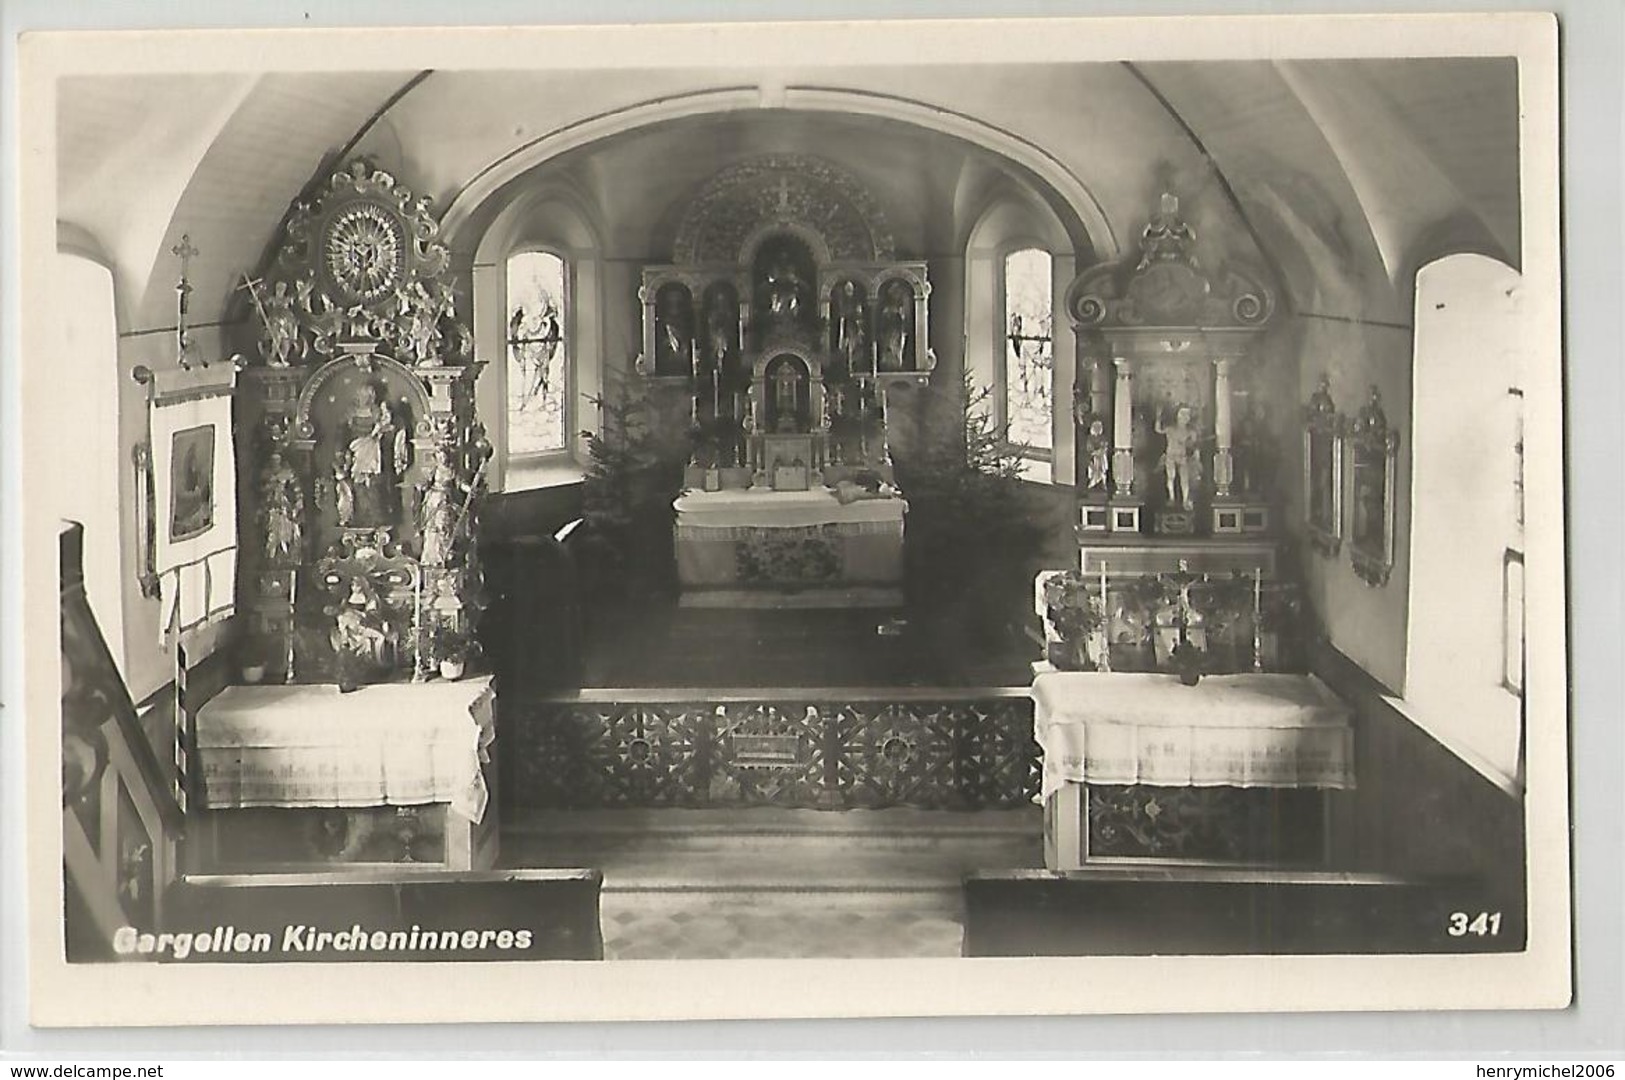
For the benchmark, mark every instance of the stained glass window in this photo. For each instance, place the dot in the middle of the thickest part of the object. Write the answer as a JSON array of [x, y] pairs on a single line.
[[538, 396], [1029, 367]]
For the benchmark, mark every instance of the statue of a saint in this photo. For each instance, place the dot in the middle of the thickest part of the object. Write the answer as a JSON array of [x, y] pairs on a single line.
[[374, 437], [281, 335], [1255, 465], [420, 319], [784, 289], [282, 509], [896, 325], [851, 337], [674, 343], [1181, 457], [1097, 448], [343, 490], [721, 324], [360, 637], [438, 513]]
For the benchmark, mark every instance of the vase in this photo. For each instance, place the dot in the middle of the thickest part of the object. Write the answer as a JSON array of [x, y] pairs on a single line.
[[451, 670], [253, 673]]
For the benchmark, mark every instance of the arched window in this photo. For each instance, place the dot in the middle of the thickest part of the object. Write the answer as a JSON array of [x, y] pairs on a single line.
[[1464, 654], [538, 391], [87, 369], [1029, 356]]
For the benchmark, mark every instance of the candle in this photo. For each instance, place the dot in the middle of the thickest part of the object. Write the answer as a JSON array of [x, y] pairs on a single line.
[[1105, 623], [293, 621], [1258, 609]]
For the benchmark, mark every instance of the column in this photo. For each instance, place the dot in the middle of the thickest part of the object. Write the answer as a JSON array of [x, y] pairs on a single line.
[[1123, 428], [1223, 466]]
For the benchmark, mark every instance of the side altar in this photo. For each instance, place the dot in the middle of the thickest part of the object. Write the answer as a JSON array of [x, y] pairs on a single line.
[[784, 332], [1178, 452], [362, 459]]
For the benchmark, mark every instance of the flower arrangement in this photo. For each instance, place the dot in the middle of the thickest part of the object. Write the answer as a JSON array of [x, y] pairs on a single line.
[[1075, 614]]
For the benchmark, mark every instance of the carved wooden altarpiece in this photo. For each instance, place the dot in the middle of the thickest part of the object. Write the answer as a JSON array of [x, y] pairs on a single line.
[[1168, 388], [363, 459], [783, 324]]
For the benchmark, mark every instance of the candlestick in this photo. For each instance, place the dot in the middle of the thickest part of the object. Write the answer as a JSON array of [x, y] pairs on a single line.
[[417, 626], [1105, 623], [1258, 614], [293, 622]]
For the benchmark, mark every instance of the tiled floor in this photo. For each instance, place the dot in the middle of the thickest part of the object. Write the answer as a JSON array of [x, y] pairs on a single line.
[[796, 927]]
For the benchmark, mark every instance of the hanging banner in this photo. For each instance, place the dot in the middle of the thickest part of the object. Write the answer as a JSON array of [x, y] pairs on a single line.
[[194, 485]]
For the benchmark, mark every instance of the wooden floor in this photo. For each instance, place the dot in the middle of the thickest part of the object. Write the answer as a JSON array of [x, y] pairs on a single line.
[[658, 644]]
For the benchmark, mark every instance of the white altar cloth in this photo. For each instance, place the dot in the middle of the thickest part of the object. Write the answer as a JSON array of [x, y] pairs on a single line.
[[1259, 730], [752, 509], [391, 744]]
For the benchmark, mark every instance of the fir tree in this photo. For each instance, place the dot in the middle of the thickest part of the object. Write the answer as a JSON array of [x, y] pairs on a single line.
[[972, 538]]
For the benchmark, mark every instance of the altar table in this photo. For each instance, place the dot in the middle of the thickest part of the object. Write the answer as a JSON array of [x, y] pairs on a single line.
[[1232, 731], [396, 745], [789, 549]]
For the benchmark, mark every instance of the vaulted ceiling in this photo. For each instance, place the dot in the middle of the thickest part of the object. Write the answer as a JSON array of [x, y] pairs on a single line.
[[1340, 176]]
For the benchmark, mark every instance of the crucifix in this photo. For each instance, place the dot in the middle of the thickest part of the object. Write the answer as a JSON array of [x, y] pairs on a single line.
[[183, 293], [784, 197]]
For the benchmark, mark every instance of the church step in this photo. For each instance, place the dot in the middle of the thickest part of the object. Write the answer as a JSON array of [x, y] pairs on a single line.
[[675, 826]]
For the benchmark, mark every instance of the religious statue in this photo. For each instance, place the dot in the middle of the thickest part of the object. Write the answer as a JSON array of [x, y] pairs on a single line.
[[420, 314], [438, 514], [896, 325], [1181, 457], [376, 451], [361, 638], [674, 345], [851, 337], [1254, 461], [1166, 236], [281, 334], [784, 292], [282, 509], [1097, 450], [720, 326], [343, 490]]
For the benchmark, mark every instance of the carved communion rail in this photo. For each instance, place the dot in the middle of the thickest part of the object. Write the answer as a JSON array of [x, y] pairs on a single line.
[[820, 748]]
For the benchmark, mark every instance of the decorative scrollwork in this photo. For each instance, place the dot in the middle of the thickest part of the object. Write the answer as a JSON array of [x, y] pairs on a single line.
[[360, 263], [735, 205]]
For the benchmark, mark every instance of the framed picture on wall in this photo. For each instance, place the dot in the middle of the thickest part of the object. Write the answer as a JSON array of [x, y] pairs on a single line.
[[191, 483]]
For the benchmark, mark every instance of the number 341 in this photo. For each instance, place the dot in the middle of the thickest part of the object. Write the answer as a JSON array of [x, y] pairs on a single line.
[[1484, 924]]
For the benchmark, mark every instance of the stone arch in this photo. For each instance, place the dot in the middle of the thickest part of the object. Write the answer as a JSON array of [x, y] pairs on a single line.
[[1034, 159]]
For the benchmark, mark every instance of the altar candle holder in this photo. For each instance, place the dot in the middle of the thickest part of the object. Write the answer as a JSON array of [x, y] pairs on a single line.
[[417, 626], [1105, 623], [1258, 614], [293, 623]]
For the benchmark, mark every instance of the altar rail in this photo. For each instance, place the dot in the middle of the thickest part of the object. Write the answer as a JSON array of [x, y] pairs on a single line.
[[820, 748]]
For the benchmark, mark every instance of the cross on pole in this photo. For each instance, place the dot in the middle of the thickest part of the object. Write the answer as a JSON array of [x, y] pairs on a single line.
[[183, 291]]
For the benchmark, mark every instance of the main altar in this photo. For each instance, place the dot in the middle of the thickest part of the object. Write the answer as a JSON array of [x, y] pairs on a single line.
[[787, 330]]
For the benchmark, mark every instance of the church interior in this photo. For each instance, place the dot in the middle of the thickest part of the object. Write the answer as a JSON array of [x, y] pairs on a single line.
[[933, 510]]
